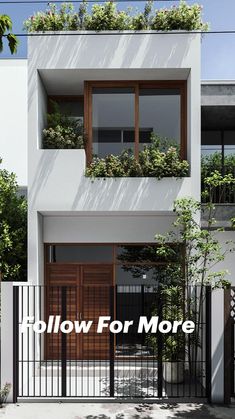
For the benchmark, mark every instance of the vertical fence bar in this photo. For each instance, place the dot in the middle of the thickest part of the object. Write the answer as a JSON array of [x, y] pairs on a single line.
[[111, 345], [227, 346], [63, 344], [232, 360], [159, 344], [15, 343], [208, 343]]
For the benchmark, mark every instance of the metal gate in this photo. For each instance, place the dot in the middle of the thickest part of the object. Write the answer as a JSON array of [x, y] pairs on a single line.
[[125, 365]]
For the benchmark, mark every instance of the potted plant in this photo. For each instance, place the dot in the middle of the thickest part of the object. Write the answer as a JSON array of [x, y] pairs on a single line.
[[173, 358], [4, 393]]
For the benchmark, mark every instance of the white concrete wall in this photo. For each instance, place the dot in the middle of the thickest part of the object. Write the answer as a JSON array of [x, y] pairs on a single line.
[[105, 228], [13, 117], [56, 177]]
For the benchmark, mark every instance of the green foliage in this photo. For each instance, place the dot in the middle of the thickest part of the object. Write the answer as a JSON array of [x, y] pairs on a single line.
[[182, 17], [156, 160], [202, 249], [13, 229], [107, 16], [218, 181], [173, 348], [5, 26], [4, 393], [63, 132], [54, 19]]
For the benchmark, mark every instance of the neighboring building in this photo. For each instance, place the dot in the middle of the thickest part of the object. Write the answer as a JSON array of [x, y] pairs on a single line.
[[79, 230]]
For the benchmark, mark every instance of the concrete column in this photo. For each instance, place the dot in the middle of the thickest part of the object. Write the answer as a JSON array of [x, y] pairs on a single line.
[[7, 335], [217, 346]]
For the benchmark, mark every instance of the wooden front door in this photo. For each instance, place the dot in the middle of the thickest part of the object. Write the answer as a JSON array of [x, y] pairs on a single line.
[[87, 298]]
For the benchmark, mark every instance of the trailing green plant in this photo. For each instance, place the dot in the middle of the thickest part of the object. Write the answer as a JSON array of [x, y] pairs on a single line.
[[107, 16], [155, 160], [63, 132], [4, 393]]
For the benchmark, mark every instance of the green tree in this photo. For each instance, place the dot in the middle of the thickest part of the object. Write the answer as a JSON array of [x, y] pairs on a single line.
[[5, 32], [13, 229]]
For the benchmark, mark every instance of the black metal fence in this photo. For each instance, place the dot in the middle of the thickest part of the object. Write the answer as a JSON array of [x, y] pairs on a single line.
[[124, 365]]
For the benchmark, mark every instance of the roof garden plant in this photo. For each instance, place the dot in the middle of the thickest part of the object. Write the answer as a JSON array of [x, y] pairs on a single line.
[[156, 160], [108, 16]]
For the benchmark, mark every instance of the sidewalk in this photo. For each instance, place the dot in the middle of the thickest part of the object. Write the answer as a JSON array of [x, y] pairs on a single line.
[[115, 411]]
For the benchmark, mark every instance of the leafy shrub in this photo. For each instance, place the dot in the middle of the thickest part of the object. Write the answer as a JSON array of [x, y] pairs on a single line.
[[4, 392], [153, 162], [61, 137], [106, 16], [64, 19], [212, 165], [63, 132], [181, 17]]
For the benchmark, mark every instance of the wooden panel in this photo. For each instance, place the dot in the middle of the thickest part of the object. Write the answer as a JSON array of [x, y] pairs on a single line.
[[95, 303], [88, 295], [58, 276]]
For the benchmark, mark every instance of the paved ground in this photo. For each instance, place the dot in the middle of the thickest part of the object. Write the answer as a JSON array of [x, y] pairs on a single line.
[[114, 411]]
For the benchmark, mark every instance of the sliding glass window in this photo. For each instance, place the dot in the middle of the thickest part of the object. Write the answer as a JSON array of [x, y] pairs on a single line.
[[124, 115]]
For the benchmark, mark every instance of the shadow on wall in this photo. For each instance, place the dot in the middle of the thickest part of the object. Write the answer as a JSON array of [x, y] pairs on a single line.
[[126, 193], [120, 51]]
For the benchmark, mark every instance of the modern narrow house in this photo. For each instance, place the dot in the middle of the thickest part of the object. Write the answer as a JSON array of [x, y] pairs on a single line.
[[91, 240]]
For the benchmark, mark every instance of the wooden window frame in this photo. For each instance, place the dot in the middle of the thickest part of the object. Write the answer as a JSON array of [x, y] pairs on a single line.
[[137, 85]]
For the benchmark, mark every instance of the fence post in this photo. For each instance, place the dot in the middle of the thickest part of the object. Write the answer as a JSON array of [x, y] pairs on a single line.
[[7, 332], [159, 344], [111, 345], [63, 344], [208, 343], [227, 346]]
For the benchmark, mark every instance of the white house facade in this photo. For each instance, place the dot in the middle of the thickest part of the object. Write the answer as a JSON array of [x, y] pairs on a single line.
[[122, 87]]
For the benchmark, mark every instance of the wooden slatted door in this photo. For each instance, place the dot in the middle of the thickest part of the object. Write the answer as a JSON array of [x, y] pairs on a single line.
[[88, 297], [58, 276], [96, 302]]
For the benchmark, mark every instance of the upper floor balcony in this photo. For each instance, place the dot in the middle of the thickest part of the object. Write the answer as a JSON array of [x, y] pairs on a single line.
[[218, 144], [128, 95]]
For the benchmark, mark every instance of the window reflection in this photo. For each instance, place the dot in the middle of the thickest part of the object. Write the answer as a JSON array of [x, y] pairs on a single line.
[[159, 113], [113, 120]]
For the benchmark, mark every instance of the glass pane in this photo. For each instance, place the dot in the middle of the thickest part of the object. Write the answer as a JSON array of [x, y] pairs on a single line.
[[113, 120], [211, 142], [143, 253], [229, 142], [80, 254], [137, 275], [159, 113], [74, 109]]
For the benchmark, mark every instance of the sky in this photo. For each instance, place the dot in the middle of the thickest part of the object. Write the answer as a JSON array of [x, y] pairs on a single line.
[[218, 50]]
